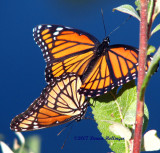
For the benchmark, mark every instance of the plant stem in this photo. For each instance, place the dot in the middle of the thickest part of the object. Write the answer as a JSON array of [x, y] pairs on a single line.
[[141, 74]]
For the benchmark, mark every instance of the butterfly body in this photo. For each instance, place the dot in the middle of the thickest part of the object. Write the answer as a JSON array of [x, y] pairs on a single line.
[[102, 48], [101, 66]]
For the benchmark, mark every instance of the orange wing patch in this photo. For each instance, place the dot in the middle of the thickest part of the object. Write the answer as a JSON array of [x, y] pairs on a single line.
[[46, 36], [125, 53], [45, 31], [115, 65], [50, 117], [75, 37], [125, 68]]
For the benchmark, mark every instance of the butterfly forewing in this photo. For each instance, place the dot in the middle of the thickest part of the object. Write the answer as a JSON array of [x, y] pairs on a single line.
[[65, 49], [58, 103]]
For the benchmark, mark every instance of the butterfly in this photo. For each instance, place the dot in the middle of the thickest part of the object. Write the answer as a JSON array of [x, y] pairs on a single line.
[[101, 66], [58, 103]]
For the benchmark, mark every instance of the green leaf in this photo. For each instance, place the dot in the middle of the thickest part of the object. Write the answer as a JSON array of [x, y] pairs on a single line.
[[130, 116], [5, 148], [150, 10], [151, 142], [34, 143], [128, 9], [152, 68], [153, 10], [150, 49], [138, 4], [113, 108], [157, 9], [157, 28]]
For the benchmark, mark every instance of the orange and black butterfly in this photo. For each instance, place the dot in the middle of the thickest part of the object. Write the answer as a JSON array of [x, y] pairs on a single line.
[[101, 66], [58, 103]]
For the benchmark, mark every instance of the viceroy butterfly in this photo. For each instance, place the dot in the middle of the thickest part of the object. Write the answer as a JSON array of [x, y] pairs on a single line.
[[101, 66], [58, 103]]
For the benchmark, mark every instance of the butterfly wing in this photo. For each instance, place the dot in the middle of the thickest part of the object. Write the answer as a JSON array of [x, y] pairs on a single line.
[[58, 103], [116, 67], [65, 49]]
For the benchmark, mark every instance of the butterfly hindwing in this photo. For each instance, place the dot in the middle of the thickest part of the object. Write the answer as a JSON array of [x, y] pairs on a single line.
[[116, 67], [65, 49], [58, 103]]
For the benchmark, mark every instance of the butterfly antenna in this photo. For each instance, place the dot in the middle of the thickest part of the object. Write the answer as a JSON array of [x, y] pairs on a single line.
[[67, 136], [120, 25], [65, 128], [103, 22]]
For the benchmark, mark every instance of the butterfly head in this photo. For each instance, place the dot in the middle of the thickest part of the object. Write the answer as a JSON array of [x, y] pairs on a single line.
[[102, 47], [106, 41]]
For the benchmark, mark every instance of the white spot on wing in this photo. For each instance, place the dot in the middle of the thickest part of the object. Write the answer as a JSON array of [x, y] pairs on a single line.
[[127, 78], [40, 26], [34, 29], [49, 26], [36, 127], [59, 29], [56, 33]]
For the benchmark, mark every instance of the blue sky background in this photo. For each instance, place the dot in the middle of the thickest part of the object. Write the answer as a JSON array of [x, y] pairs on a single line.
[[22, 64]]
